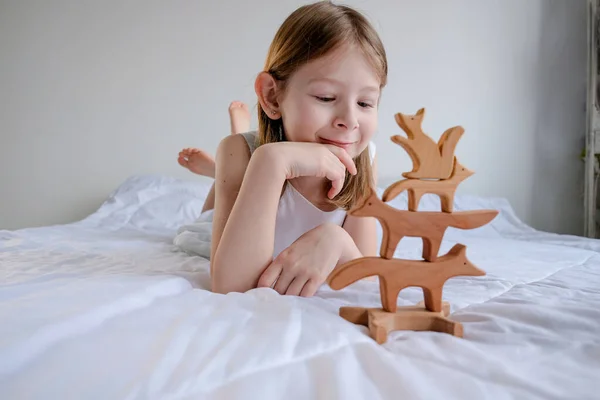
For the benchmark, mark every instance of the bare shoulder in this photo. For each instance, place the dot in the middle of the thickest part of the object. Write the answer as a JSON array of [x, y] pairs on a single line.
[[232, 158]]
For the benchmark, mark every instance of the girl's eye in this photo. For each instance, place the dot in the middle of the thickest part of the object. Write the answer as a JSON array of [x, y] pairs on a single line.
[[324, 99], [364, 105]]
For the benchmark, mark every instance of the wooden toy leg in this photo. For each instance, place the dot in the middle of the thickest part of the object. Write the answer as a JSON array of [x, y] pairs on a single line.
[[433, 299], [414, 197], [431, 248], [389, 243], [389, 294], [447, 200]]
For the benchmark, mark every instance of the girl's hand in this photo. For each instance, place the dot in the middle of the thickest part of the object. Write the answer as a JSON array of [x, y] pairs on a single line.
[[300, 269], [313, 159]]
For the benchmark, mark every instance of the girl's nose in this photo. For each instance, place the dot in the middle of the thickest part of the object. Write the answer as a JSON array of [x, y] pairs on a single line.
[[346, 119]]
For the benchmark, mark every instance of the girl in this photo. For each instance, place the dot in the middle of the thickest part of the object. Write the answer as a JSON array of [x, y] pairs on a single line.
[[281, 196]]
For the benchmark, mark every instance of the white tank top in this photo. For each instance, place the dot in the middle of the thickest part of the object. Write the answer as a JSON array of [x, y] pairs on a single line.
[[295, 214]]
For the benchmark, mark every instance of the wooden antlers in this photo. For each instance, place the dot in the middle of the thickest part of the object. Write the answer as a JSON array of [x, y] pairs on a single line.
[[436, 163]]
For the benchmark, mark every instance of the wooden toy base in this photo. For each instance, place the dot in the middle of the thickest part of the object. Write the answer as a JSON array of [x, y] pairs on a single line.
[[413, 318]]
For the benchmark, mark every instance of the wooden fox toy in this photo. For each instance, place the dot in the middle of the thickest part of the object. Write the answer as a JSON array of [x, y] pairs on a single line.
[[445, 188], [430, 226], [431, 160], [396, 274]]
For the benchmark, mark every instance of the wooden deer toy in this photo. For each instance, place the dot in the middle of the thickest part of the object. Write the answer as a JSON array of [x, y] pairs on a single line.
[[445, 188], [431, 160], [430, 226], [395, 275]]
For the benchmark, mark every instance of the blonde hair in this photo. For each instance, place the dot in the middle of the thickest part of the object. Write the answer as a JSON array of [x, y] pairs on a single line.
[[310, 32]]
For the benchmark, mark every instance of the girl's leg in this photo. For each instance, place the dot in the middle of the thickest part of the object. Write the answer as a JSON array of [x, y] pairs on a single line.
[[197, 161], [209, 203], [239, 117], [200, 162]]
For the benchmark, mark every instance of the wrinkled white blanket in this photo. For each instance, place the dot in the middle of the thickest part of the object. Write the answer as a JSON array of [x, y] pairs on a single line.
[[195, 238], [107, 308]]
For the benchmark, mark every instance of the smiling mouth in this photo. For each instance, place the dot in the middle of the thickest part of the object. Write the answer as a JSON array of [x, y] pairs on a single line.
[[343, 145]]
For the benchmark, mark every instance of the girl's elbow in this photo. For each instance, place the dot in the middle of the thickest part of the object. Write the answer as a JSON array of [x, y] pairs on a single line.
[[223, 285], [219, 287], [217, 283]]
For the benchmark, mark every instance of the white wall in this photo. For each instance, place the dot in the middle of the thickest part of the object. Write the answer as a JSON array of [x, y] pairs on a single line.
[[92, 92]]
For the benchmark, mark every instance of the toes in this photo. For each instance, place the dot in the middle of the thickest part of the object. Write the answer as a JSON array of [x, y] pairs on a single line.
[[237, 104], [182, 161]]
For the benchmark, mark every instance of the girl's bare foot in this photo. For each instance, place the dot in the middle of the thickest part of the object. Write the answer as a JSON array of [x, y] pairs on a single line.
[[239, 116], [197, 161]]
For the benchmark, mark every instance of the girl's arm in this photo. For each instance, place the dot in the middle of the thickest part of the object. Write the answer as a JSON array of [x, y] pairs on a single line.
[[246, 199], [232, 158], [319, 251], [363, 230], [247, 191]]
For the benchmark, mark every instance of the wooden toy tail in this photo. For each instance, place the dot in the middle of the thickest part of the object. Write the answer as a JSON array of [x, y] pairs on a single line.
[[449, 140], [353, 271], [472, 219]]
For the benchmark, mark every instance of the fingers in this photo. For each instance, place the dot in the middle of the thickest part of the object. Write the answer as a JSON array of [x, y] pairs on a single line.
[[344, 157], [309, 289], [336, 187], [337, 172], [286, 282], [337, 176], [296, 286], [270, 275], [283, 282]]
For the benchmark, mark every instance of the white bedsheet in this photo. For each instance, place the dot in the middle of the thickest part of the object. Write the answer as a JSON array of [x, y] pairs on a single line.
[[106, 309]]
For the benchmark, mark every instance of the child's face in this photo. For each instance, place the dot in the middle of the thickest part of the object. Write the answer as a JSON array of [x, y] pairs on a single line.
[[333, 100]]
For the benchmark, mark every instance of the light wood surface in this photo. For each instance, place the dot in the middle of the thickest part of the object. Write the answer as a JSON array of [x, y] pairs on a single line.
[[414, 318]]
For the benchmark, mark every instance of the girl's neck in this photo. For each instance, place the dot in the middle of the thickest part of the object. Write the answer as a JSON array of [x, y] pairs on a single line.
[[314, 190]]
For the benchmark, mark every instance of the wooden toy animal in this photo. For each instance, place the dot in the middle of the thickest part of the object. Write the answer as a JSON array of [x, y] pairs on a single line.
[[396, 274], [430, 226], [435, 170], [431, 160], [445, 188]]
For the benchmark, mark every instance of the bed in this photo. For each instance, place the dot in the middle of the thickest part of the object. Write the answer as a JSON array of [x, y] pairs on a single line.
[[108, 308]]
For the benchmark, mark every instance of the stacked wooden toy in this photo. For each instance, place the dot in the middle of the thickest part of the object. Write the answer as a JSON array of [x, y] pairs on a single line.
[[435, 170]]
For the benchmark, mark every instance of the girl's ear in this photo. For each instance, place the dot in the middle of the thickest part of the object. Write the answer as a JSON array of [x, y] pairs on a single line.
[[266, 89]]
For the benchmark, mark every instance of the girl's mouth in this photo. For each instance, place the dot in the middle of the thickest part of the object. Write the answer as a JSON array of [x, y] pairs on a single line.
[[343, 145]]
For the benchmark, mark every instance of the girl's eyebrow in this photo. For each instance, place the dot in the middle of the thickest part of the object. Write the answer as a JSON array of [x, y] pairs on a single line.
[[367, 88]]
